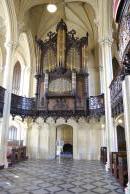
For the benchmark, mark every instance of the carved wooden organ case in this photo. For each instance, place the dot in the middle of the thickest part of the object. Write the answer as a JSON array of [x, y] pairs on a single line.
[[61, 71]]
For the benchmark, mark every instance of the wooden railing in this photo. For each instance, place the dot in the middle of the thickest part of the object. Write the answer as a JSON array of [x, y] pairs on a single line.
[[24, 107], [118, 166], [96, 106], [116, 95]]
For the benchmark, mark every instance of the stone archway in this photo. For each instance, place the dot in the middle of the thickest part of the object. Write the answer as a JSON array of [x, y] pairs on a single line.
[[64, 141]]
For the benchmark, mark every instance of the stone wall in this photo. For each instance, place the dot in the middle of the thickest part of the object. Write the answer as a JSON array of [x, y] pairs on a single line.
[[87, 138]]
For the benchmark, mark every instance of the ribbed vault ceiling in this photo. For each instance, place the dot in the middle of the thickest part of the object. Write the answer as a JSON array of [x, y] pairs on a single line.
[[78, 15]]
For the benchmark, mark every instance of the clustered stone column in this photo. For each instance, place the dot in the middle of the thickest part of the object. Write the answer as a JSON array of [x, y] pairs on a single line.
[[10, 48], [105, 48], [126, 101]]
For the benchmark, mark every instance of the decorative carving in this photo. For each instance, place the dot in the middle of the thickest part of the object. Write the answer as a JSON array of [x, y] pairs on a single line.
[[96, 106], [60, 86], [124, 34], [124, 54], [25, 107], [116, 95], [126, 64], [60, 104], [61, 50]]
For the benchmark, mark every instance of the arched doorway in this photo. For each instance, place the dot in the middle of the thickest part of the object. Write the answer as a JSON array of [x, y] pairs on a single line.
[[64, 141], [121, 142]]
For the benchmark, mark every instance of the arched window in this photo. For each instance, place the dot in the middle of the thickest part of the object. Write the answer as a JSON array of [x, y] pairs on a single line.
[[16, 78], [12, 133]]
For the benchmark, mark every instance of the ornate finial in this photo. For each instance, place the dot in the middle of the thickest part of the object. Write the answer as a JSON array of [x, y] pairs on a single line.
[[51, 35], [84, 41], [72, 33], [61, 25]]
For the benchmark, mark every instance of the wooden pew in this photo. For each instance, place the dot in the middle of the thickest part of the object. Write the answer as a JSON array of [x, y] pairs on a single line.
[[118, 163], [1, 166], [122, 170], [103, 154], [112, 164], [17, 154], [115, 163]]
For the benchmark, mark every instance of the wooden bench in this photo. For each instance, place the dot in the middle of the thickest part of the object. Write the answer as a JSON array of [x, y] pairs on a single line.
[[1, 166], [17, 154], [112, 162], [103, 154], [118, 165], [122, 170]]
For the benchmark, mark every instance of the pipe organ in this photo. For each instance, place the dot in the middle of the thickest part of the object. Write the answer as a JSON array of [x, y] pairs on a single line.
[[61, 71]]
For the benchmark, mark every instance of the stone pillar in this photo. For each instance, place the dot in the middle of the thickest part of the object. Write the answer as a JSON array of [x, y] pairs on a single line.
[[33, 141], [44, 140], [126, 102], [52, 141], [8, 72], [105, 46], [2, 57], [101, 71]]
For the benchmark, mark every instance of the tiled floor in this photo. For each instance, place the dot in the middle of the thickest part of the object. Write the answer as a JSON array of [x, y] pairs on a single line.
[[42, 177]]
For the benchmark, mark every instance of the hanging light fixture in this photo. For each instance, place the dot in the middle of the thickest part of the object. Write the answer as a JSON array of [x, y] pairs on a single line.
[[51, 7]]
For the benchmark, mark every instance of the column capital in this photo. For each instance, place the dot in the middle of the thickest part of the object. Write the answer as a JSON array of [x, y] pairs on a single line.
[[106, 40], [11, 44], [100, 67]]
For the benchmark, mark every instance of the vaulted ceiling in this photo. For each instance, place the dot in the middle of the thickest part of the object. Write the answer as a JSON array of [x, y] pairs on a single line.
[[79, 15]]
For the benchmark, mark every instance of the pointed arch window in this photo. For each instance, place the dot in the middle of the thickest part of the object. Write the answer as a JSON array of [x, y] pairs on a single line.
[[16, 78]]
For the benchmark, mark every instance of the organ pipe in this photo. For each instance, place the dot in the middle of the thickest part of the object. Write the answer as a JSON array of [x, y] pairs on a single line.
[[61, 50], [38, 59], [61, 44], [84, 52]]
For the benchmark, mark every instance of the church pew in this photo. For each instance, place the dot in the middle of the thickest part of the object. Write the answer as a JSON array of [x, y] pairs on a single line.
[[1, 166], [115, 163], [112, 162], [116, 155], [118, 164], [17, 154], [103, 154], [122, 170]]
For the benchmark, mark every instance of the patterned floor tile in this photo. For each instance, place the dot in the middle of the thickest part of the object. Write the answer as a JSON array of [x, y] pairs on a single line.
[[40, 191], [50, 177], [77, 190], [101, 190], [88, 186]]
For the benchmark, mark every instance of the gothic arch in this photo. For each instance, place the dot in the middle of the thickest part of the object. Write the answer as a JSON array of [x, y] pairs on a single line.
[[21, 129], [11, 21], [23, 55], [16, 78]]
